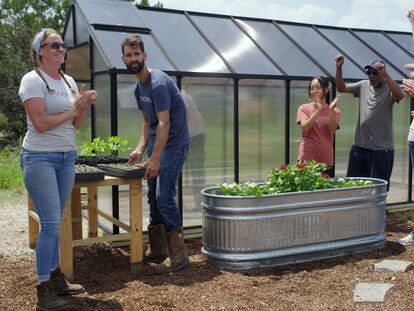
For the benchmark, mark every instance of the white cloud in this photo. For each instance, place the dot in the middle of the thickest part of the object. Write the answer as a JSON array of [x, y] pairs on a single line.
[[373, 14], [282, 10], [378, 14]]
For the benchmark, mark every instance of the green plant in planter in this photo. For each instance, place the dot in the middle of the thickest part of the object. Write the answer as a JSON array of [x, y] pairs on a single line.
[[99, 147], [87, 149], [299, 177], [115, 144], [303, 176]]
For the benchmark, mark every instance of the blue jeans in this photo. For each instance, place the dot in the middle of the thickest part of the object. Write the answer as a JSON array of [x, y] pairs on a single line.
[[411, 147], [49, 178], [162, 189], [370, 163]]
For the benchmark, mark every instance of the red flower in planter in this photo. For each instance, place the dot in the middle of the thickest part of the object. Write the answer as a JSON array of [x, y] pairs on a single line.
[[283, 167], [300, 165]]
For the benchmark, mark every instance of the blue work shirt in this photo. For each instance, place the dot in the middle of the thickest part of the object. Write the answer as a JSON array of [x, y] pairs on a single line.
[[159, 93]]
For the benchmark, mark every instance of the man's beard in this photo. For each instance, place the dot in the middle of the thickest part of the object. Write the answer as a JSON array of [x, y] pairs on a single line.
[[136, 69]]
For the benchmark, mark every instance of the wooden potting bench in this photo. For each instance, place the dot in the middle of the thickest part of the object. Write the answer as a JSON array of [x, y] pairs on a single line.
[[71, 231]]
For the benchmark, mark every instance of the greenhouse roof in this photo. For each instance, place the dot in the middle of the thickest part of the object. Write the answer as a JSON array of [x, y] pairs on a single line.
[[191, 43]]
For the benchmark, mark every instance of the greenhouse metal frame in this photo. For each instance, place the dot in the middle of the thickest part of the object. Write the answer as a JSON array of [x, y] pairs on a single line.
[[226, 61]]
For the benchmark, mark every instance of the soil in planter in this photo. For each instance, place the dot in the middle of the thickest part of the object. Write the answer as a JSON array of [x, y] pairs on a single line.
[[123, 170], [88, 173]]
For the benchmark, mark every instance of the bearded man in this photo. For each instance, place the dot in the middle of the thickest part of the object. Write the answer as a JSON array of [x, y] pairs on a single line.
[[166, 138]]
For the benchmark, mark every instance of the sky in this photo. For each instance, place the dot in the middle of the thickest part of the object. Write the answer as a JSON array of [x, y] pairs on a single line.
[[368, 14]]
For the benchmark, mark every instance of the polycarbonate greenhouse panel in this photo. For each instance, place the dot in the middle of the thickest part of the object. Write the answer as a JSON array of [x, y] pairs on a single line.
[[236, 47], [405, 40], [386, 47], [99, 64], [109, 44], [287, 55], [321, 50], [82, 27], [68, 36], [77, 63], [103, 106], [107, 12], [177, 34], [355, 49]]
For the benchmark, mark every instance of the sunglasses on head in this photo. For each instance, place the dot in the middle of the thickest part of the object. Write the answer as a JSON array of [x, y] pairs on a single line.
[[56, 45], [370, 71]]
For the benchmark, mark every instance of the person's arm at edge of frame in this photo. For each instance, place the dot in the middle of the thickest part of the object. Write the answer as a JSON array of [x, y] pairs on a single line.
[[152, 165], [408, 84], [410, 16], [137, 154], [339, 80]]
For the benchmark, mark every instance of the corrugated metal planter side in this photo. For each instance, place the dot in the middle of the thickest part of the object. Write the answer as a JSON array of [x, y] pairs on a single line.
[[248, 232]]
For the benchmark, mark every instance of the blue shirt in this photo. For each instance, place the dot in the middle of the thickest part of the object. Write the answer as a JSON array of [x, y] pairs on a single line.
[[159, 93]]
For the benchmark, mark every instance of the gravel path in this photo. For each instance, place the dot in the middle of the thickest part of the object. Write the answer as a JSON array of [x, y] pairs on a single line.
[[13, 231]]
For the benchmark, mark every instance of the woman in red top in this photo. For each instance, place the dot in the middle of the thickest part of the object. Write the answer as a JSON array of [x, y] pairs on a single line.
[[319, 121]]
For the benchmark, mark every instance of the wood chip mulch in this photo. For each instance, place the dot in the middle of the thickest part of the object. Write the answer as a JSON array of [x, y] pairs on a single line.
[[321, 285]]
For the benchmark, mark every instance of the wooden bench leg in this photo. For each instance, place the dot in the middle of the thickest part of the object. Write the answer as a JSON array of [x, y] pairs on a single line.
[[66, 249], [135, 214], [33, 225], [76, 217], [93, 211]]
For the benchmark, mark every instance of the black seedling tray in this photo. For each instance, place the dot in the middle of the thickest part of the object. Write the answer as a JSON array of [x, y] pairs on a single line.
[[123, 170], [91, 173], [95, 160]]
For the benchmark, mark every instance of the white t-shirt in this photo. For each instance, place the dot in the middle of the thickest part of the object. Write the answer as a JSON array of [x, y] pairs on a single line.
[[411, 132], [62, 137]]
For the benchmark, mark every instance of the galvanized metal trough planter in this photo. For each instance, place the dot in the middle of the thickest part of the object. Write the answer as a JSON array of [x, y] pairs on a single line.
[[243, 232]]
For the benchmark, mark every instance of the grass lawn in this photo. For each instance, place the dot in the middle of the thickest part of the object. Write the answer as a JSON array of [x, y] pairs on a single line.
[[11, 180]]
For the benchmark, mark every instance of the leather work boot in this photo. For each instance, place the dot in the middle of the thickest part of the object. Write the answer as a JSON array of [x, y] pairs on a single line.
[[178, 259], [47, 300], [157, 248], [63, 287]]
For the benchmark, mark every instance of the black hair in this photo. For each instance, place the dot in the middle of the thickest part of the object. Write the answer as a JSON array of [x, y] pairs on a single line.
[[325, 86]]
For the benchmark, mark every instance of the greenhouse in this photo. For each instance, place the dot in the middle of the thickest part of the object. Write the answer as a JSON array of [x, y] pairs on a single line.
[[243, 80]]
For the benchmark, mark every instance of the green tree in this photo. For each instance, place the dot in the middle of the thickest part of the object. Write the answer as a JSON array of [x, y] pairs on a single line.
[[20, 20], [146, 3]]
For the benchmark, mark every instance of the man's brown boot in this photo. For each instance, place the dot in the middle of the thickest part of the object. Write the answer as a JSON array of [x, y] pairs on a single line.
[[178, 259], [47, 300], [157, 248], [63, 287]]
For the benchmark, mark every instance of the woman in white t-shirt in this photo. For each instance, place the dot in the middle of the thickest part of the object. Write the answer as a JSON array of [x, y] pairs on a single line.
[[53, 109]]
